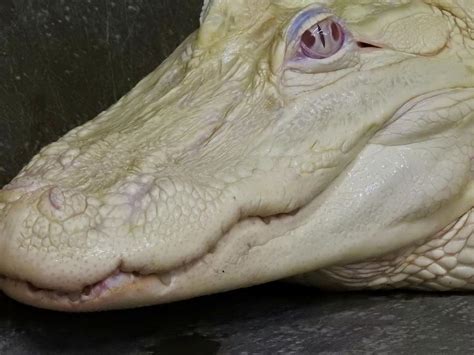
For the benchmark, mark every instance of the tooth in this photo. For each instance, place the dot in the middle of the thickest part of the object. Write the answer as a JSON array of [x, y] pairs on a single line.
[[75, 297], [166, 279], [87, 291]]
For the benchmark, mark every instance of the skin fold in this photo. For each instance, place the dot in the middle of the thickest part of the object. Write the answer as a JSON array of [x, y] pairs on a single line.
[[242, 160]]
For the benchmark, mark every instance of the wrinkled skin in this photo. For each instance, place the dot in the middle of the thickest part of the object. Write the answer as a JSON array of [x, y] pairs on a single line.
[[239, 161]]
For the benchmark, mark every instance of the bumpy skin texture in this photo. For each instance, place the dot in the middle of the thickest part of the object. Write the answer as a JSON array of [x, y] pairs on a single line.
[[238, 162]]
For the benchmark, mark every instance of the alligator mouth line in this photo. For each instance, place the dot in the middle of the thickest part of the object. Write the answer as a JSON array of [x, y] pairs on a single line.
[[120, 279]]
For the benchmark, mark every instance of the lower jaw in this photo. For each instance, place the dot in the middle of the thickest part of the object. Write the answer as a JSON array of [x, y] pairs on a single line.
[[105, 295], [116, 291]]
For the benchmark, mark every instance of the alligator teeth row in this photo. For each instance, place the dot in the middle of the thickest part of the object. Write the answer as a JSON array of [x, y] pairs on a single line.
[[90, 292]]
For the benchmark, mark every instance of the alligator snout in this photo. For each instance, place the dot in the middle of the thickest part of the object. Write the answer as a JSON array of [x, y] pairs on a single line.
[[46, 237], [66, 239]]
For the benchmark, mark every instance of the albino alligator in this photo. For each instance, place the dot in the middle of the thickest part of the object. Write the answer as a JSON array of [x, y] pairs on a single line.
[[329, 142]]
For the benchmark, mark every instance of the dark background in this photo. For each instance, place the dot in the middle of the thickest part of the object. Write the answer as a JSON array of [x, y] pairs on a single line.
[[64, 61]]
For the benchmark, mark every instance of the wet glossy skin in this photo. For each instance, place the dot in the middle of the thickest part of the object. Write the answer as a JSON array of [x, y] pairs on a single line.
[[243, 159]]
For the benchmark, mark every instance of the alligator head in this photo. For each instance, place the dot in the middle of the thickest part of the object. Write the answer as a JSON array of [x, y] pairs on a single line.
[[282, 138]]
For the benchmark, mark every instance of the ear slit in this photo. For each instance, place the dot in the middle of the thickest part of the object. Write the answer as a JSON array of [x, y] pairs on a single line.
[[366, 45]]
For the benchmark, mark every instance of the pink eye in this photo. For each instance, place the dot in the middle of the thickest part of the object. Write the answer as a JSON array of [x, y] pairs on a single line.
[[323, 40]]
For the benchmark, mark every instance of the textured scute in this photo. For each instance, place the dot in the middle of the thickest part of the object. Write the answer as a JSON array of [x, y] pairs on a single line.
[[462, 9], [442, 262], [239, 161]]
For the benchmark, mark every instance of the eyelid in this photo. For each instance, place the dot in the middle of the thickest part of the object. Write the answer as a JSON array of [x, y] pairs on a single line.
[[304, 20], [288, 48]]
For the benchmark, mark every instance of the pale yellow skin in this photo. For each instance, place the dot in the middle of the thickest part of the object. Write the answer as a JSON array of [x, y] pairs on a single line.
[[233, 164]]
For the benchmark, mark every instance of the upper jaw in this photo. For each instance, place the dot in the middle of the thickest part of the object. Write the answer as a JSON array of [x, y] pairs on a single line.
[[123, 286], [125, 289]]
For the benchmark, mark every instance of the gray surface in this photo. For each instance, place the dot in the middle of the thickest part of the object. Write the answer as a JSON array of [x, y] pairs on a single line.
[[62, 62], [270, 319]]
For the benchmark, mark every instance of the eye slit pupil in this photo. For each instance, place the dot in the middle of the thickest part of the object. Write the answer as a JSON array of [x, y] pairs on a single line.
[[336, 34], [321, 36], [308, 39], [322, 40]]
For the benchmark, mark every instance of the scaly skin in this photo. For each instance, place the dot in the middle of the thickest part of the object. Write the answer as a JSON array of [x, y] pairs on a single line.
[[236, 163]]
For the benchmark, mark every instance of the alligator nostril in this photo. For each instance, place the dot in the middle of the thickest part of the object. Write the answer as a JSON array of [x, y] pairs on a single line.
[[58, 205], [56, 198]]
